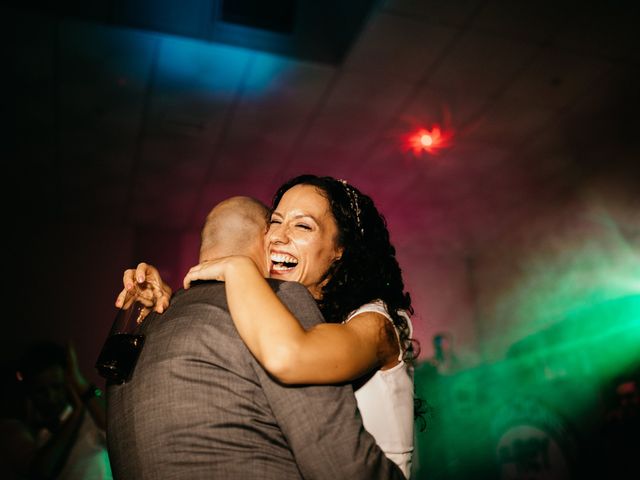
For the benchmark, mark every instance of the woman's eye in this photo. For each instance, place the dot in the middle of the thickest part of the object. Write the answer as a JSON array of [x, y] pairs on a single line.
[[304, 226], [274, 220]]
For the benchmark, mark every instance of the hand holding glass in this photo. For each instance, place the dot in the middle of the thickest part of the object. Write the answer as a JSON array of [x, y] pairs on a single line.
[[121, 350]]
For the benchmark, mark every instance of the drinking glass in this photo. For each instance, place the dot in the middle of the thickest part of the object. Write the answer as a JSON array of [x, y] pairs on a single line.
[[121, 350]]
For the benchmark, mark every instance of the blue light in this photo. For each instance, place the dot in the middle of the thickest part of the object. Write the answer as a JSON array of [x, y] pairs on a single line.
[[214, 68]]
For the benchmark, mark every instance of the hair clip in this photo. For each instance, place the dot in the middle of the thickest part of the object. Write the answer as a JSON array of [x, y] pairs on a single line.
[[353, 202]]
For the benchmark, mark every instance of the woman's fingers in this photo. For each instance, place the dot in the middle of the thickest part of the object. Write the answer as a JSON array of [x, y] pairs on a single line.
[[121, 298], [161, 295], [129, 278], [188, 278], [147, 273], [150, 276], [145, 285], [208, 270], [128, 282], [192, 275]]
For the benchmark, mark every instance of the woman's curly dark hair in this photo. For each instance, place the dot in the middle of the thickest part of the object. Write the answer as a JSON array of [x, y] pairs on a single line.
[[368, 269]]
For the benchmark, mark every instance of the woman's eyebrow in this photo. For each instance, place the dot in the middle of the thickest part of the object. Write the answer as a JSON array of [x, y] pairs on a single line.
[[297, 216], [305, 215]]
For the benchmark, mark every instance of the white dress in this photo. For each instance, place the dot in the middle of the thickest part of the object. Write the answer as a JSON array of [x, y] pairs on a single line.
[[385, 401]]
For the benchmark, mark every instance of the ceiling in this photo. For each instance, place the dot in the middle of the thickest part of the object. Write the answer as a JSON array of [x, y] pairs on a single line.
[[123, 126], [152, 129]]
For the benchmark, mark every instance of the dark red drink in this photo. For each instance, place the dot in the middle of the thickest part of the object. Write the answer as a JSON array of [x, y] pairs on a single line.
[[119, 356]]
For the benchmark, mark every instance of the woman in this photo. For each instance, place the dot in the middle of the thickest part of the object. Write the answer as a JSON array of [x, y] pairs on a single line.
[[328, 236]]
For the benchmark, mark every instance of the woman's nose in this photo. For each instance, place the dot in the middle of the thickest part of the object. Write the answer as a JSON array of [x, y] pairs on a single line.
[[278, 233]]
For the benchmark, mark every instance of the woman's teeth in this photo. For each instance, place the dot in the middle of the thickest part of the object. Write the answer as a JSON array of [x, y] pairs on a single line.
[[281, 262]]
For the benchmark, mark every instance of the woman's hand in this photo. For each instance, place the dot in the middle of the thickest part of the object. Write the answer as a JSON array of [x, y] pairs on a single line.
[[145, 285], [216, 269]]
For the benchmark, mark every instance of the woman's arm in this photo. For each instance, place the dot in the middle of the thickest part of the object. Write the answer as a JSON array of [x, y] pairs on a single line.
[[327, 353]]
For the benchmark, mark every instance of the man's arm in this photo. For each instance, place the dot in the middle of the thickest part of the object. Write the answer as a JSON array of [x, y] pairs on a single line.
[[322, 423]]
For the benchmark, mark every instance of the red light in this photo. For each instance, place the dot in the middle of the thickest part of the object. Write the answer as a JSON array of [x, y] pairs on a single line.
[[430, 141]]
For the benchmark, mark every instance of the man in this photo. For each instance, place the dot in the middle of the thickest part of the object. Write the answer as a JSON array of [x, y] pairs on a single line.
[[200, 406]]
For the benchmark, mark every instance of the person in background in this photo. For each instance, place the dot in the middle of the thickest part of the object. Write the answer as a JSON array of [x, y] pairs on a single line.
[[444, 359], [61, 433], [15, 438], [620, 431]]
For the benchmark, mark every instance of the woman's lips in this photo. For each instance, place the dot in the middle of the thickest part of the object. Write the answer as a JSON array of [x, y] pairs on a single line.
[[282, 263]]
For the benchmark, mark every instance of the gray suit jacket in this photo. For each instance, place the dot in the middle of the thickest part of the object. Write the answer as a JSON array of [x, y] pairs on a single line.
[[199, 406]]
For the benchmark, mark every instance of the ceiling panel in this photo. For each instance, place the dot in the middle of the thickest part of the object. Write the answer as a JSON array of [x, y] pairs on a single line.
[[277, 113], [481, 63], [435, 11], [398, 46], [509, 123], [453, 109], [534, 22], [354, 112], [603, 29], [557, 77]]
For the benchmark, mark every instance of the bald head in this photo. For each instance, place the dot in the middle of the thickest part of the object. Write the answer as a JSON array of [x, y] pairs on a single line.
[[235, 226]]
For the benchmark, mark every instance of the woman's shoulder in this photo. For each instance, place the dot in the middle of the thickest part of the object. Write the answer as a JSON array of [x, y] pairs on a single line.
[[390, 344], [376, 306], [393, 334]]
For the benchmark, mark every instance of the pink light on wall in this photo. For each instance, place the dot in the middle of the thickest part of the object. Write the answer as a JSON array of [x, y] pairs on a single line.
[[430, 141]]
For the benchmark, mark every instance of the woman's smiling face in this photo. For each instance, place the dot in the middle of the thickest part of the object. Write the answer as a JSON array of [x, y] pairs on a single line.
[[301, 241]]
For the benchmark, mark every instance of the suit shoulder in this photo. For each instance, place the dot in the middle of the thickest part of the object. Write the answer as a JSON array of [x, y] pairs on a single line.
[[287, 287], [297, 298], [207, 292]]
